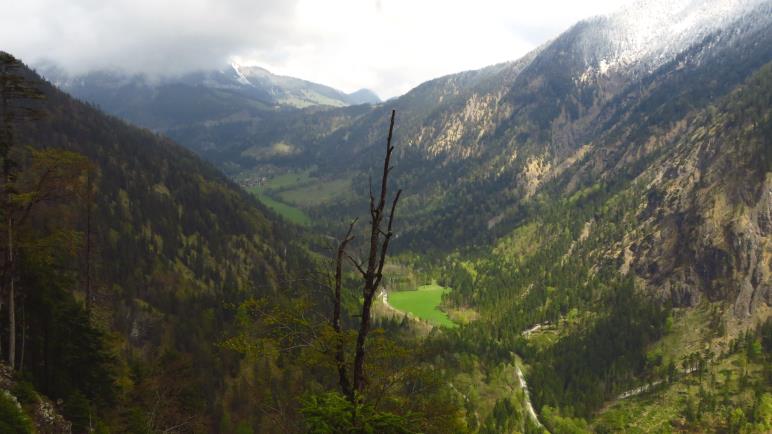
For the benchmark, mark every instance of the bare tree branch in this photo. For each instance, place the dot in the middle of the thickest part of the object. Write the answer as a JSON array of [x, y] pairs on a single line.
[[376, 258], [357, 264]]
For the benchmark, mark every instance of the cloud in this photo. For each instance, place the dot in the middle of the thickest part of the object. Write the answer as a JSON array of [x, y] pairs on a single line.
[[386, 45], [154, 36]]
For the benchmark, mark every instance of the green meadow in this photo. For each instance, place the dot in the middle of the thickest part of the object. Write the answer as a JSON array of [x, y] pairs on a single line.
[[317, 192], [423, 303], [288, 193], [289, 212]]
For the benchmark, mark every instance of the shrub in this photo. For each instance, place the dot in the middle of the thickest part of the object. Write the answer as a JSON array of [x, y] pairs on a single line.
[[12, 417]]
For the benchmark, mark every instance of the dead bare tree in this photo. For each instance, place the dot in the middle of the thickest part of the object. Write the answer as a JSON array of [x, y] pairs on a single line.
[[371, 271], [340, 357]]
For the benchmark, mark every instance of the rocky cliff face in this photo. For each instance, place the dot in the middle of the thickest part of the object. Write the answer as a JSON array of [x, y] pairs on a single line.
[[704, 222]]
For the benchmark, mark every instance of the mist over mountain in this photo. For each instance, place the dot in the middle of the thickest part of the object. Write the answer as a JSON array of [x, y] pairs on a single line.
[[229, 94]]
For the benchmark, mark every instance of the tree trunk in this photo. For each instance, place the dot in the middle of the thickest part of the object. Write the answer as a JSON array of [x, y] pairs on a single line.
[[11, 300], [359, 357], [23, 336], [1, 341], [89, 182], [376, 259], [340, 359]]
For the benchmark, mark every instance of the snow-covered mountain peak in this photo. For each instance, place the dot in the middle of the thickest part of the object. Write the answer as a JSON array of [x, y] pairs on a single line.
[[648, 33]]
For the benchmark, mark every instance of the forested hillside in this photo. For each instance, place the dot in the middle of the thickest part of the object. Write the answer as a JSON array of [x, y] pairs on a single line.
[[154, 295], [133, 275], [574, 265], [576, 241]]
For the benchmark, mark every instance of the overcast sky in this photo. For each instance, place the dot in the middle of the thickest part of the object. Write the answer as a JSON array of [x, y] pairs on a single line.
[[389, 46]]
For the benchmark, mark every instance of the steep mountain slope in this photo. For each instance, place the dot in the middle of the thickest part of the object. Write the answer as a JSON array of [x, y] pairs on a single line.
[[475, 145], [636, 277], [609, 184], [645, 258], [174, 246], [622, 188]]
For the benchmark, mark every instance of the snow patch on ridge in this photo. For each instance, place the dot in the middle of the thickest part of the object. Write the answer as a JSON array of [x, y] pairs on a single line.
[[650, 33], [239, 76]]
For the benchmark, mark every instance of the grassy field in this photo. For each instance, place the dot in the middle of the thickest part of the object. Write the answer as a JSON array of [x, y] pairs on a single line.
[[289, 180], [423, 303], [286, 194], [299, 188], [287, 211], [317, 192]]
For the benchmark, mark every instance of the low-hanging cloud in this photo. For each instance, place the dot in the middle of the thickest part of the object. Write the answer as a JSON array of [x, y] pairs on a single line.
[[386, 45], [152, 36]]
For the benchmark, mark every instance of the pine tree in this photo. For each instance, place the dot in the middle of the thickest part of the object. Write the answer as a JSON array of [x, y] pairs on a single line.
[[16, 95]]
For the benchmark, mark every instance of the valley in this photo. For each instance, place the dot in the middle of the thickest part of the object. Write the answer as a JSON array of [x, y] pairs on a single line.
[[578, 240]]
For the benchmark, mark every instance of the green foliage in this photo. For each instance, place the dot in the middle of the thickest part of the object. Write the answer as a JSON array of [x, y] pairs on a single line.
[[507, 416], [318, 192], [178, 248], [302, 188], [12, 418], [173, 247], [332, 413], [243, 428], [558, 424], [166, 394], [65, 353], [580, 370], [25, 392], [728, 392], [762, 413], [77, 409]]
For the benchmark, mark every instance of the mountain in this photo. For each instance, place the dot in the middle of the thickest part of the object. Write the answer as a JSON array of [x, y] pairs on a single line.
[[181, 106], [483, 140], [156, 295], [294, 92], [363, 96], [612, 186], [626, 196], [600, 209], [174, 247], [589, 109], [106, 88]]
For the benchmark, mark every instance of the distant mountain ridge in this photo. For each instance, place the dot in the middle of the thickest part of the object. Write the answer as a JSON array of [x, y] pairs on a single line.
[[295, 92], [250, 81], [180, 106]]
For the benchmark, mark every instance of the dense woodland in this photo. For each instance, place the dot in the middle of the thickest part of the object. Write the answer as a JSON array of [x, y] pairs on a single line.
[[132, 269], [151, 282], [143, 291]]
